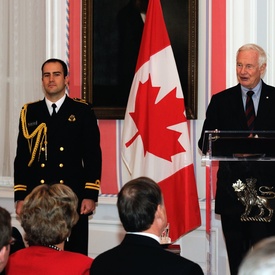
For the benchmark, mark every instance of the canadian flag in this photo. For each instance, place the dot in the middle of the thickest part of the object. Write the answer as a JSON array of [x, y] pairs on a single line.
[[155, 138]]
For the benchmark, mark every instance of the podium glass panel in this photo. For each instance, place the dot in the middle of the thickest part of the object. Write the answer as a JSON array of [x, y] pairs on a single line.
[[248, 148], [239, 145]]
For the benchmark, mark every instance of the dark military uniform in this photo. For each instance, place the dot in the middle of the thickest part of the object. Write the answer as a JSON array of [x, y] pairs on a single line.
[[64, 149]]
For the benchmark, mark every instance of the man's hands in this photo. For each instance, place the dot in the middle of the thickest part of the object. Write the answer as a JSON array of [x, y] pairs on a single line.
[[87, 206]]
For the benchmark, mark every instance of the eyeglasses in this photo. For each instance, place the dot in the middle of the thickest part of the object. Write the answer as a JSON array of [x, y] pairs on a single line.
[[10, 242]]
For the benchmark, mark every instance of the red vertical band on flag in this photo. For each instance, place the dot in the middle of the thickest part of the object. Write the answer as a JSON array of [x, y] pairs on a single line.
[[155, 138], [147, 48], [178, 193]]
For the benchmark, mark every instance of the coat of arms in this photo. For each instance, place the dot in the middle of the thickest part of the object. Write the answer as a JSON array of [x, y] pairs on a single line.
[[249, 197]]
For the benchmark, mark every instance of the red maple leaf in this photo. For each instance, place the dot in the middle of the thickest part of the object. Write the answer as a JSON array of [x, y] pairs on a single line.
[[153, 119]]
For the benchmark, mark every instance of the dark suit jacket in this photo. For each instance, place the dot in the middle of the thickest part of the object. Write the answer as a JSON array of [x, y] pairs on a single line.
[[73, 150], [226, 112], [142, 255]]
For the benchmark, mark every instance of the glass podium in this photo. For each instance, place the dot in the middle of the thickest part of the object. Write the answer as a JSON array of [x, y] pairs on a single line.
[[241, 146]]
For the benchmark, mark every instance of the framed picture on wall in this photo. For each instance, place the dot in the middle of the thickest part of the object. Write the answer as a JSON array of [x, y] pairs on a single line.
[[111, 35]]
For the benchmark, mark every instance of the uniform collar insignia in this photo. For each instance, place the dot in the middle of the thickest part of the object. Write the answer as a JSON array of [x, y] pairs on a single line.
[[72, 118]]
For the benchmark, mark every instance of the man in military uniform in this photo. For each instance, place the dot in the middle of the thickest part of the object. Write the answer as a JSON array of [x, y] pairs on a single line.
[[59, 142]]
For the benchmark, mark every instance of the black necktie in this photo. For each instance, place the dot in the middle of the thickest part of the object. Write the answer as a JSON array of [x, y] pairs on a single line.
[[54, 111], [249, 110]]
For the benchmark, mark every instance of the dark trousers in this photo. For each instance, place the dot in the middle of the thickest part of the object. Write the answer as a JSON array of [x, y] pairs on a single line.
[[241, 236], [78, 241]]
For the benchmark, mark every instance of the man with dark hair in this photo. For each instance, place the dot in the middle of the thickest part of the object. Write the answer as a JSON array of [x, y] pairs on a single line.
[[142, 213], [5, 237], [59, 142]]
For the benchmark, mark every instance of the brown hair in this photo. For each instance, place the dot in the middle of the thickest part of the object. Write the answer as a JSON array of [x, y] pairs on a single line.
[[49, 212], [5, 227]]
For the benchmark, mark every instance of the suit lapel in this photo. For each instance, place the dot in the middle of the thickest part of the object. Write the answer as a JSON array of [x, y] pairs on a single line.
[[264, 103]]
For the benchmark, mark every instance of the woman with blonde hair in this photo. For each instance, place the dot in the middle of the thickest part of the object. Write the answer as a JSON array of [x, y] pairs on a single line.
[[49, 212]]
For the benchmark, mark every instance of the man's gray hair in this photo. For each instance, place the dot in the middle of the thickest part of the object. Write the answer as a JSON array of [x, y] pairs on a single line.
[[260, 50], [260, 260]]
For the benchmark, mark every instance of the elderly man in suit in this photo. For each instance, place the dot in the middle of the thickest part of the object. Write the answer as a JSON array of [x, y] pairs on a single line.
[[230, 111]]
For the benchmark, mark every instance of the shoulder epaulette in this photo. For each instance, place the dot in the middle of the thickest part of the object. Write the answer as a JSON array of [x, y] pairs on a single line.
[[26, 105], [81, 100]]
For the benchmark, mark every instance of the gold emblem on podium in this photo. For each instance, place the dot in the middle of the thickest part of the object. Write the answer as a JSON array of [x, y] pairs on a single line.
[[248, 196]]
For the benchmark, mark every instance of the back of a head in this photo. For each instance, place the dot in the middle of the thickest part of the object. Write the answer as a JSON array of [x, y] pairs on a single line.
[[137, 204], [49, 212], [260, 260], [5, 227], [5, 236]]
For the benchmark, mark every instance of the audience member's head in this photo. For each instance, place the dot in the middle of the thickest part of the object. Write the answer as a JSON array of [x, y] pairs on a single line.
[[260, 260], [5, 237], [141, 206], [49, 212]]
